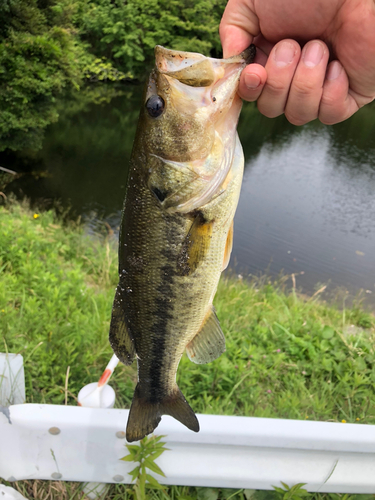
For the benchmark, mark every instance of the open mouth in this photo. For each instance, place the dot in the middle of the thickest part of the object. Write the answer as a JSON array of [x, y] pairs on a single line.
[[201, 84]]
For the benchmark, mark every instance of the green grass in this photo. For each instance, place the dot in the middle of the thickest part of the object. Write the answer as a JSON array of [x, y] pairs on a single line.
[[287, 356]]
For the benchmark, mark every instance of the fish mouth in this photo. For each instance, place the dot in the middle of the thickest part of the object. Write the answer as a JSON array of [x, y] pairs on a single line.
[[175, 63], [203, 84]]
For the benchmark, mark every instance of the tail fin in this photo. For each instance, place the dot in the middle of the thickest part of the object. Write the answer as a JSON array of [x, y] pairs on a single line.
[[145, 416]]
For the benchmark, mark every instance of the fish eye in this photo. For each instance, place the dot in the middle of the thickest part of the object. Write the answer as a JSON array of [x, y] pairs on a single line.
[[155, 106]]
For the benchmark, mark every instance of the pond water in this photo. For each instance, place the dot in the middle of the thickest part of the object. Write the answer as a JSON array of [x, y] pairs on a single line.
[[307, 204]]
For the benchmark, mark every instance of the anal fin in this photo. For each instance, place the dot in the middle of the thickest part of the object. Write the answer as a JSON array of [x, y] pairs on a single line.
[[209, 342], [119, 338]]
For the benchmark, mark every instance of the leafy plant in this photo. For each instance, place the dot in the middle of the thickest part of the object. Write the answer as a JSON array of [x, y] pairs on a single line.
[[127, 32], [148, 450], [100, 70], [295, 492]]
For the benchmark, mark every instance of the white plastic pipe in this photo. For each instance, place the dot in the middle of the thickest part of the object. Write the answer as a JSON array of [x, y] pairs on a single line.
[[100, 394], [84, 444]]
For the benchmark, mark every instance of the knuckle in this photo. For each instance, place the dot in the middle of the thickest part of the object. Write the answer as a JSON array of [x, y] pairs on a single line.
[[252, 98], [304, 88], [329, 120], [332, 108], [275, 88], [268, 113], [268, 109], [328, 101], [249, 95], [329, 115], [298, 120]]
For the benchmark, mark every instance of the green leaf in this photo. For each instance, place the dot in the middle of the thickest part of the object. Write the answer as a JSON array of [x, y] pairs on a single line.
[[155, 454], [153, 483], [134, 473], [248, 493], [360, 364], [278, 489], [133, 448], [127, 458], [152, 466], [328, 332], [208, 493], [158, 438]]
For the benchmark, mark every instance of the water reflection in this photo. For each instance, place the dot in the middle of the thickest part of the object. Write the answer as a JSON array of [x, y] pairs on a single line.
[[307, 207], [84, 159]]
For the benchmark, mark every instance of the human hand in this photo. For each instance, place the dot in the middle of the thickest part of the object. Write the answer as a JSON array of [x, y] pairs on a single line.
[[330, 78]]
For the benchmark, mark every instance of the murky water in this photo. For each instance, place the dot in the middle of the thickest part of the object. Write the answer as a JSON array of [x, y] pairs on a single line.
[[306, 210], [307, 204]]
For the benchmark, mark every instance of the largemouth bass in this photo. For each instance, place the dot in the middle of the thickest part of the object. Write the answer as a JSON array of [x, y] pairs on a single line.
[[177, 228]]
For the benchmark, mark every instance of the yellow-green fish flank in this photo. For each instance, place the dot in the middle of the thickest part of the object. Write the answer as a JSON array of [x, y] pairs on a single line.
[[177, 228]]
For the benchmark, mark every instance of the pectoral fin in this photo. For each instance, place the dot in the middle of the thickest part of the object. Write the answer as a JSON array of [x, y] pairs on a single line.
[[228, 247], [195, 246], [209, 342], [119, 338]]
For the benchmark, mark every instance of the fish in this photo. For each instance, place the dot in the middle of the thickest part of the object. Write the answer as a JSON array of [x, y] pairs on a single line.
[[176, 233]]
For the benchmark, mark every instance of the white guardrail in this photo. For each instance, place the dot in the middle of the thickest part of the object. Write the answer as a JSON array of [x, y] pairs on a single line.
[[85, 444]]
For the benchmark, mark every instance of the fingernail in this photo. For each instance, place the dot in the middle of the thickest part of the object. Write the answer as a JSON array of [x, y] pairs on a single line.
[[334, 69], [252, 81], [284, 54], [313, 54]]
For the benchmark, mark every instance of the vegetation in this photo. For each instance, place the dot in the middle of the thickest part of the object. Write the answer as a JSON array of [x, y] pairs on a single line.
[[145, 453], [49, 46], [38, 59], [127, 32], [287, 357]]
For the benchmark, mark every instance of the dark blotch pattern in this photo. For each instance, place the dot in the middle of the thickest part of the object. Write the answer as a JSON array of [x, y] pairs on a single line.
[[160, 195], [164, 307]]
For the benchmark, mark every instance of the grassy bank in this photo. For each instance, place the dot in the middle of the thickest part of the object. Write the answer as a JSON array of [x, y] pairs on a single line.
[[287, 357]]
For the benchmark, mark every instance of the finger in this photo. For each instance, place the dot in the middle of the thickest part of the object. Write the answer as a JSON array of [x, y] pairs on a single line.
[[238, 27], [280, 68], [263, 45], [261, 57], [252, 81], [338, 102], [307, 86], [234, 40]]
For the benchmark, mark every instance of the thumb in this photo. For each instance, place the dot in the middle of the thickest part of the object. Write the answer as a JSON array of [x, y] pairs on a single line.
[[239, 25]]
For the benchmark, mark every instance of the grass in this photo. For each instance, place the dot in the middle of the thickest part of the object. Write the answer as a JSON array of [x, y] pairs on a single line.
[[287, 356]]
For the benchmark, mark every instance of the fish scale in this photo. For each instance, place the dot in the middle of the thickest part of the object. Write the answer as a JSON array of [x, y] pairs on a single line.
[[171, 253]]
